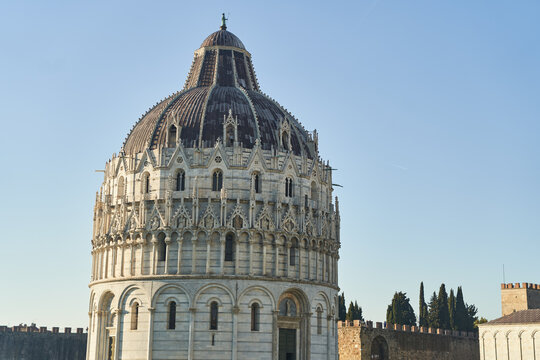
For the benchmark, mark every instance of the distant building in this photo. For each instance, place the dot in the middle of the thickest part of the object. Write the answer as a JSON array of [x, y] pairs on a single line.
[[215, 231], [515, 335]]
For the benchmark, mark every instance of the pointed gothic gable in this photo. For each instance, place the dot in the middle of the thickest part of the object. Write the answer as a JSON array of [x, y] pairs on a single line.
[[288, 222], [309, 228], [209, 218], [182, 217], [264, 219], [255, 159], [178, 157], [238, 219], [217, 154], [132, 221], [290, 164], [156, 218]]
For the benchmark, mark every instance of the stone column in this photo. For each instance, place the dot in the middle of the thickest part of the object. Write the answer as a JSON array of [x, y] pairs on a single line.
[[194, 241], [150, 332], [288, 261], [250, 255], [179, 260], [191, 332], [142, 256], [235, 311], [276, 262], [308, 277], [122, 258], [132, 258], [323, 267], [236, 255], [167, 248], [222, 254], [316, 278], [328, 323], [208, 252], [119, 313], [106, 272], [113, 260], [154, 254], [90, 330], [264, 258], [299, 274], [275, 333]]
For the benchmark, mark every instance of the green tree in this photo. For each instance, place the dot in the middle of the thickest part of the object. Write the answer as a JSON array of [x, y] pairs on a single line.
[[422, 309], [444, 316], [452, 309], [342, 308], [479, 321], [400, 310], [354, 312], [461, 313], [433, 316], [471, 317]]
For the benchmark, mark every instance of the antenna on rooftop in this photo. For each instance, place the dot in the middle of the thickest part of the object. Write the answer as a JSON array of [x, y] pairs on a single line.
[[504, 276]]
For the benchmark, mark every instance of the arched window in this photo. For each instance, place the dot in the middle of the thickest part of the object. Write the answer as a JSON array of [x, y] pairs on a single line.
[[292, 256], [229, 247], [217, 180], [172, 137], [285, 140], [161, 247], [288, 187], [134, 316], [313, 190], [120, 187], [171, 318], [214, 315], [229, 136], [319, 320], [306, 204], [180, 180], [257, 183], [255, 315], [146, 183]]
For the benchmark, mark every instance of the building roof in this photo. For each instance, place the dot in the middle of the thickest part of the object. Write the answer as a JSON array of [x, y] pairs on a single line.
[[221, 79], [531, 316]]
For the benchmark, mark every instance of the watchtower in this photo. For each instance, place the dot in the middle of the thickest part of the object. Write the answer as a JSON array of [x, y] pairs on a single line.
[[516, 297]]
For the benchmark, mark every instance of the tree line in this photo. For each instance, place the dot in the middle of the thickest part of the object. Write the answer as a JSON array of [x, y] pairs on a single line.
[[444, 311]]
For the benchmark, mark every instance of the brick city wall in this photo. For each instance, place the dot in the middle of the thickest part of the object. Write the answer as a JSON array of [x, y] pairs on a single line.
[[32, 343], [405, 342]]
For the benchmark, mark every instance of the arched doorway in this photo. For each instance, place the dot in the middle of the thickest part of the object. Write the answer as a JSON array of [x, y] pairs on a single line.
[[379, 349], [292, 326], [106, 328]]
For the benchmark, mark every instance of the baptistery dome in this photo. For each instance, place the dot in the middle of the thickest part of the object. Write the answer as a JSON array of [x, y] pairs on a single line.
[[215, 234], [221, 78]]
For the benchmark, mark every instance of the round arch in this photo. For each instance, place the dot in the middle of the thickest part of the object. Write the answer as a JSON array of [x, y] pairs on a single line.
[[165, 287], [379, 348]]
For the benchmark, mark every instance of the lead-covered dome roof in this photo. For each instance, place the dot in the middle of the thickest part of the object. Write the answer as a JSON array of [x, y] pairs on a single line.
[[221, 80]]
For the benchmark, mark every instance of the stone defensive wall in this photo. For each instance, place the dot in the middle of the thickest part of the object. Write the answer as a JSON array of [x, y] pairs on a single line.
[[360, 341], [33, 343], [520, 286]]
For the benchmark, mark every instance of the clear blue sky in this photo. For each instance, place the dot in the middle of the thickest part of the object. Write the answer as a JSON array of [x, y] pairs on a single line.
[[429, 109]]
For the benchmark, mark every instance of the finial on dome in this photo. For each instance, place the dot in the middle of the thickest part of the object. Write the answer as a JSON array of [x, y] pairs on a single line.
[[223, 22]]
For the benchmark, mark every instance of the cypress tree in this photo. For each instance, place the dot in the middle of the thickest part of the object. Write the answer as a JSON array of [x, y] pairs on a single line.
[[444, 316], [357, 312], [461, 314], [342, 308], [400, 310], [452, 309], [423, 309], [433, 316]]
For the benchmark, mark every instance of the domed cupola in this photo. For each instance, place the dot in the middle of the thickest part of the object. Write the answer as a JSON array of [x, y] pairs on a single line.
[[221, 81]]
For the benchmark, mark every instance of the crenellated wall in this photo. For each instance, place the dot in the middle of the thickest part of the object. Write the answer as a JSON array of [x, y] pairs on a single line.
[[32, 343], [361, 341]]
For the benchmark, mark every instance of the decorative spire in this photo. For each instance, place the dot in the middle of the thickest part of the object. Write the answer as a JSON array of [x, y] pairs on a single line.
[[223, 22]]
